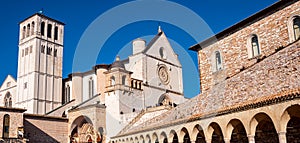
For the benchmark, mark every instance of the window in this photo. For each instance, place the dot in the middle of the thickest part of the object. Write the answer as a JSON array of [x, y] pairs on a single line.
[[55, 52], [67, 94], [49, 51], [91, 87], [43, 28], [32, 28], [26, 51], [42, 49], [49, 31], [8, 100], [23, 32], [56, 33], [218, 61], [253, 46], [22, 52], [8, 84], [112, 81], [296, 27], [123, 79], [6, 122], [25, 85], [162, 53], [30, 49], [28, 30]]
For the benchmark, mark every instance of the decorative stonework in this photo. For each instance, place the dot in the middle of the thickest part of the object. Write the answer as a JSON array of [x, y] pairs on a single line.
[[163, 74]]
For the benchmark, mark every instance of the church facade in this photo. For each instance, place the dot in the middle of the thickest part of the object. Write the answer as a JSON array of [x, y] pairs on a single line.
[[249, 82]]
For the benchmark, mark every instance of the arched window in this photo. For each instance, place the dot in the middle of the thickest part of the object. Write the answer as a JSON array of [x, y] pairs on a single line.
[[124, 80], [8, 100], [255, 46], [218, 60], [23, 32], [162, 52], [296, 27], [112, 81], [67, 94], [6, 122], [91, 87], [56, 33], [43, 28], [28, 30], [49, 30], [32, 28]]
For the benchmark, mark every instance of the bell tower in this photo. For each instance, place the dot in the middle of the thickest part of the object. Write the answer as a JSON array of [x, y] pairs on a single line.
[[39, 76]]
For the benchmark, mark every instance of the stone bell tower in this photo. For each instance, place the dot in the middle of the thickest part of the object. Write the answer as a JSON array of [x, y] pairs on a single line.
[[40, 64]]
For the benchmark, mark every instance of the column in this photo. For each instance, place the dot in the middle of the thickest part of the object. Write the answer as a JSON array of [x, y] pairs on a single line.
[[208, 140], [282, 137], [251, 139], [226, 140]]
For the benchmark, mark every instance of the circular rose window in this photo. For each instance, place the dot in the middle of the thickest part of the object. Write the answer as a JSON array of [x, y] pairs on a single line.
[[163, 74]]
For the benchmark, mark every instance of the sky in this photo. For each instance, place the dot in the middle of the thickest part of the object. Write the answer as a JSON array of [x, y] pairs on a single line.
[[102, 29]]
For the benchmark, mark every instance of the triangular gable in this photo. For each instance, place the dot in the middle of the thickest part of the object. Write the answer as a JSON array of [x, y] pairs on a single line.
[[153, 49], [8, 79]]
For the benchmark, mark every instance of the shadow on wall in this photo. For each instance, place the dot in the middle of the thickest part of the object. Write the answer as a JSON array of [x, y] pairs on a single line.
[[34, 134]]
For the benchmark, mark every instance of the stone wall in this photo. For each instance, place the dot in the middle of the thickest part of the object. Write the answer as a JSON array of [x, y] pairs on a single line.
[[272, 31], [45, 128], [16, 120]]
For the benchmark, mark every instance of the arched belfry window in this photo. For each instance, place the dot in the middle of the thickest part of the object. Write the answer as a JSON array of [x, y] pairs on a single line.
[[6, 122], [56, 33], [296, 27], [218, 60], [67, 94], [24, 32], [43, 28], [8, 100], [28, 30], [32, 28], [49, 30], [91, 87]]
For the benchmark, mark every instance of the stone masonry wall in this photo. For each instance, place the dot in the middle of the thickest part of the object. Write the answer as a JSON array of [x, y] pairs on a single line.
[[45, 129], [272, 32]]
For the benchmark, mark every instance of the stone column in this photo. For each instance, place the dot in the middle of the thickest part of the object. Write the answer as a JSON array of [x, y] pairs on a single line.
[[208, 140], [251, 139], [226, 140], [193, 141], [282, 137]]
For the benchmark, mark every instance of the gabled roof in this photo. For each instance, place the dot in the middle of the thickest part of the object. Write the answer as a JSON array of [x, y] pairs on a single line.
[[246, 22], [153, 41], [9, 77], [43, 16]]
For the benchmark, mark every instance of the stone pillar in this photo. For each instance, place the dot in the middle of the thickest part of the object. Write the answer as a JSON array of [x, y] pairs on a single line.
[[282, 137], [208, 140], [251, 139], [193, 141], [226, 140]]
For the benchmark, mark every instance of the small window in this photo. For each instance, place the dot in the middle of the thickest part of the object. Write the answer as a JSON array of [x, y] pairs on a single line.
[[91, 87], [43, 28], [8, 84], [22, 52], [49, 31], [32, 28], [255, 46], [8, 100], [296, 28], [30, 49], [26, 51], [28, 30], [55, 52], [42, 49], [49, 51], [66, 98], [124, 80], [112, 81], [25, 85], [218, 61], [56, 33], [6, 123], [162, 52], [24, 32]]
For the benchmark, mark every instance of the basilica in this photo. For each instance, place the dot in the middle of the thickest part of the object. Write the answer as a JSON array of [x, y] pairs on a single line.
[[249, 81]]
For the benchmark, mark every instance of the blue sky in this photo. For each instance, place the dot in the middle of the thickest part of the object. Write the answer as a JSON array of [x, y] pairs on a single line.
[[79, 14]]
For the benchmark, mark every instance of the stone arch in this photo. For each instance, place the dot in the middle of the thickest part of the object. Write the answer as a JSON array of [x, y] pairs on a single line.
[[215, 133], [173, 137], [163, 138], [136, 140], [80, 128], [164, 100], [155, 138], [184, 136], [291, 28], [262, 126], [197, 134], [236, 132], [290, 123], [131, 140], [148, 139], [142, 139]]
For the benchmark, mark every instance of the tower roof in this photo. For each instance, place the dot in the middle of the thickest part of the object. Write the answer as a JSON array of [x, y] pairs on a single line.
[[44, 16], [118, 64]]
